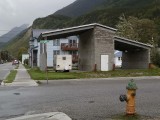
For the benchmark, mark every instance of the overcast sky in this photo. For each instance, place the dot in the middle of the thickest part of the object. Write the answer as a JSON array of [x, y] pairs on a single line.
[[17, 12]]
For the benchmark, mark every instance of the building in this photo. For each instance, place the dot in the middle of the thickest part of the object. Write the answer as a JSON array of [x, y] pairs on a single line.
[[25, 57], [63, 46], [34, 49], [97, 44], [118, 59]]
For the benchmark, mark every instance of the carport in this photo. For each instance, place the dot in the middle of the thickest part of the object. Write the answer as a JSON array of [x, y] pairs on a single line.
[[135, 55], [97, 44]]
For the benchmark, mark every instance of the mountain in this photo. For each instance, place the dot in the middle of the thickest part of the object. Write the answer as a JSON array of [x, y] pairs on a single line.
[[106, 12], [80, 7], [21, 40], [12, 33], [50, 22]]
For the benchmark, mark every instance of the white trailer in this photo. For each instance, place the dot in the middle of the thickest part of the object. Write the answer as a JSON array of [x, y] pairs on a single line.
[[62, 62]]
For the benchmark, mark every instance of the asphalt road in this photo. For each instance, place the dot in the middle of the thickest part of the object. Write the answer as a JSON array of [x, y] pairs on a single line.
[[79, 99], [5, 69]]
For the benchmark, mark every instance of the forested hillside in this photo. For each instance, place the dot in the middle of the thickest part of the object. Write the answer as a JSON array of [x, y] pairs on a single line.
[[80, 7], [51, 22], [106, 12], [19, 42]]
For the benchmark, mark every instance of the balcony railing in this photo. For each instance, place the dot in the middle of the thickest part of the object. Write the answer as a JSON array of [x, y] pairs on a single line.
[[69, 46]]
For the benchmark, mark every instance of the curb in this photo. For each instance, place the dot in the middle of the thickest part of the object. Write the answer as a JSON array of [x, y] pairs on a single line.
[[44, 116], [113, 78]]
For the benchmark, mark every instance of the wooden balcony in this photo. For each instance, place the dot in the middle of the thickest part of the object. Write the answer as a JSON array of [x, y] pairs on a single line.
[[69, 47]]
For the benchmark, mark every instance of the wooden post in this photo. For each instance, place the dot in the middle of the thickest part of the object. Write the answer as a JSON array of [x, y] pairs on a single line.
[[114, 67], [95, 67]]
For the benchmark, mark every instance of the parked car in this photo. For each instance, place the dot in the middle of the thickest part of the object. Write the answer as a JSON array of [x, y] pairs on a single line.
[[15, 62]]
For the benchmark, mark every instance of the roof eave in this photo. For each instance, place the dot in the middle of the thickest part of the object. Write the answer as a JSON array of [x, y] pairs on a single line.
[[136, 42]]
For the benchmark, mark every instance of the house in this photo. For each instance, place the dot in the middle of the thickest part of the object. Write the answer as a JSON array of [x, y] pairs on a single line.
[[63, 46], [118, 58], [34, 49]]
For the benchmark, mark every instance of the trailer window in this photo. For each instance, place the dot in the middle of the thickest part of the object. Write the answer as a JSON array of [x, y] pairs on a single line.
[[64, 58]]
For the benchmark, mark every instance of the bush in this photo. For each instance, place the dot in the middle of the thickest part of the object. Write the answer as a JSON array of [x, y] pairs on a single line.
[[26, 61], [155, 58]]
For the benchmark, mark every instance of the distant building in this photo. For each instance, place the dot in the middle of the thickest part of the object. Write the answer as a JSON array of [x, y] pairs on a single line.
[[24, 57], [118, 58]]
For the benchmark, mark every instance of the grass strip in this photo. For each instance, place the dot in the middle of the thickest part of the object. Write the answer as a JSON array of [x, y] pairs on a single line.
[[131, 117], [36, 74], [11, 76]]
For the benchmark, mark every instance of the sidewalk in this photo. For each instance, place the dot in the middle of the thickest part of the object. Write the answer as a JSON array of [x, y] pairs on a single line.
[[22, 78]]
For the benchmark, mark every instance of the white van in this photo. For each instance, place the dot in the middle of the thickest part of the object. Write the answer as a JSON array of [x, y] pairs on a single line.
[[62, 62]]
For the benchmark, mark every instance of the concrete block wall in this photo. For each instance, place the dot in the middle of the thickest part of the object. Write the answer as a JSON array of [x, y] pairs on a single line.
[[104, 45], [136, 60], [86, 51], [92, 45]]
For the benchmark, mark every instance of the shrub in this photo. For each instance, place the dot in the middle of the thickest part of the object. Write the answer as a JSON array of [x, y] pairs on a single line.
[[155, 58], [26, 61]]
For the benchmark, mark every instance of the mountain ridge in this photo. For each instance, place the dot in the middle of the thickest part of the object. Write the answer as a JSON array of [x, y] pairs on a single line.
[[79, 7], [12, 33], [107, 14]]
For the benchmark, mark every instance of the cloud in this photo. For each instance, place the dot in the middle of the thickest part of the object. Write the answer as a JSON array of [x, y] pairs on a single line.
[[17, 12]]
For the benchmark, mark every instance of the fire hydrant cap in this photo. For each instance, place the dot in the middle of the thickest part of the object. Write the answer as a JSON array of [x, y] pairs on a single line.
[[131, 85]]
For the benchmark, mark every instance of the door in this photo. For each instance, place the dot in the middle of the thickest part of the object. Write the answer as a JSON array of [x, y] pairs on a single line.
[[104, 62]]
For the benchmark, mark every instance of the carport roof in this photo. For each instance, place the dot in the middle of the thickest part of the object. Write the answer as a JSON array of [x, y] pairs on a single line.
[[120, 43], [127, 44], [72, 31]]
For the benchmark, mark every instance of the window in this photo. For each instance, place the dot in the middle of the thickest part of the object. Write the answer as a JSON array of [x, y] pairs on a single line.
[[119, 58], [56, 52], [56, 42], [64, 58], [73, 52], [72, 41]]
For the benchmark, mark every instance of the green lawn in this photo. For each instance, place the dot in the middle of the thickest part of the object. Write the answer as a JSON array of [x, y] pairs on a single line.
[[39, 75], [131, 117], [11, 76]]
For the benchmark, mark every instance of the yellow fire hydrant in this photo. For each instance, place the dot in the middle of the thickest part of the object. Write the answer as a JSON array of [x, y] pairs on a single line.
[[130, 98]]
